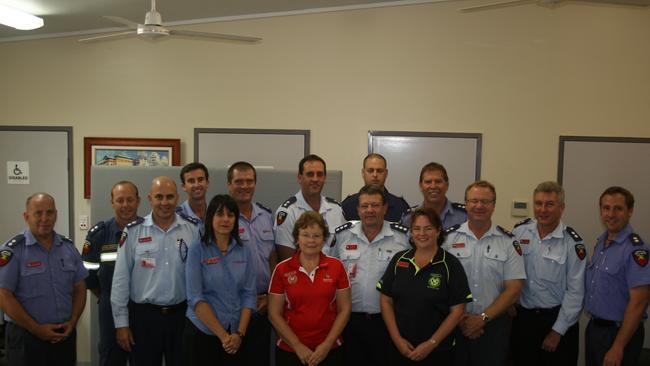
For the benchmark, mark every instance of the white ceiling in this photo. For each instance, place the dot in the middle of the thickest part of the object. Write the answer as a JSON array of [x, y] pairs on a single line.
[[74, 17]]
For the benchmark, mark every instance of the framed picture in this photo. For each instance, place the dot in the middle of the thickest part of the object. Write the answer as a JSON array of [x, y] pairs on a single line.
[[128, 152]]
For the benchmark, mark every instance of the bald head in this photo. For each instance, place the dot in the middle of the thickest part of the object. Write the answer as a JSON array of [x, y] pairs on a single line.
[[163, 198], [39, 196], [163, 180]]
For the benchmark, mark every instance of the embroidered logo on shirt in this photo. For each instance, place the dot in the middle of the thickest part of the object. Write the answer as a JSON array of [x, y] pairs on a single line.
[[281, 217], [524, 241], [146, 239], [292, 278], [241, 230], [351, 247], [327, 278], [34, 264], [516, 245], [640, 257], [434, 281], [122, 239], [458, 245], [5, 257], [403, 264], [213, 260], [86, 248], [581, 252]]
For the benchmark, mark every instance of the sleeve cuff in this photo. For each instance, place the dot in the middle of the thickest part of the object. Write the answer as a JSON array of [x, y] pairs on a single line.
[[121, 321]]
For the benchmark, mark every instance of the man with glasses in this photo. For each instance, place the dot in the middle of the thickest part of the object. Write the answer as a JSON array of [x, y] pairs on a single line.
[[312, 172], [493, 262], [366, 248]]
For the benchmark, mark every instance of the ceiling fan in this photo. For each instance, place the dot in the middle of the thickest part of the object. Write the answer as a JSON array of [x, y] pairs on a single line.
[[153, 29], [503, 4]]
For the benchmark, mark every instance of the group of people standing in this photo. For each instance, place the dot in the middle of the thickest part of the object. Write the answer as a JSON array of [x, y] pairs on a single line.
[[368, 281]]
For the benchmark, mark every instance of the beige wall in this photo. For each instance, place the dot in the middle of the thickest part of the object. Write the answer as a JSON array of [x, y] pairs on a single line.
[[520, 76]]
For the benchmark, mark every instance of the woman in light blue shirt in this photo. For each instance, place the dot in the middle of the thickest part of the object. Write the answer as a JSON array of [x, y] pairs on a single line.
[[221, 292]]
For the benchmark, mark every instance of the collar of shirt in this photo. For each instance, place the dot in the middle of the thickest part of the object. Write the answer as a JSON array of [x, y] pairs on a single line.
[[385, 231], [302, 203], [619, 238], [557, 233], [492, 231], [148, 221], [188, 210], [257, 211], [31, 240], [294, 261], [410, 255]]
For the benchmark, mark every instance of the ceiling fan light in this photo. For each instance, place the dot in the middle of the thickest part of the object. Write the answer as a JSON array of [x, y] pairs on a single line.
[[19, 19]]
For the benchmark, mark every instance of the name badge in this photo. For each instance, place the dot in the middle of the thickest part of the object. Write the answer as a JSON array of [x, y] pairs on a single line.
[[351, 247], [213, 260], [458, 245], [146, 239], [524, 241], [34, 264], [148, 263]]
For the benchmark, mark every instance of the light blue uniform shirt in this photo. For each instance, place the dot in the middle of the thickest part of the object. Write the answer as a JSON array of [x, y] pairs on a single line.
[[225, 281], [488, 262], [257, 235], [185, 209], [287, 214], [366, 262], [452, 214], [555, 271], [150, 267]]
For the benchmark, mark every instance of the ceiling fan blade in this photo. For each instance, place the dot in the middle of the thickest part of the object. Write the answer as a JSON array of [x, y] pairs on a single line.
[[123, 21], [620, 2], [107, 36], [501, 4], [229, 37]]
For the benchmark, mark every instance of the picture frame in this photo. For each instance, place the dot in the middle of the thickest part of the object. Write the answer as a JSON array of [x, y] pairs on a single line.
[[128, 152]]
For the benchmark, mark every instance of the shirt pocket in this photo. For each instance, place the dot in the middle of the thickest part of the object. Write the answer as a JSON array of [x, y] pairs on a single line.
[[551, 265], [495, 259], [35, 280], [146, 251]]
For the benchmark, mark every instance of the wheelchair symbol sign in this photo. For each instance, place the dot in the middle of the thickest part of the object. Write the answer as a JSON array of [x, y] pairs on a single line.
[[18, 172]]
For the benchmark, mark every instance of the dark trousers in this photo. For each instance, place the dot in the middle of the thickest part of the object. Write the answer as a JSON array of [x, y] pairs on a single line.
[[110, 353], [600, 337], [157, 332], [25, 349], [200, 349], [490, 349], [284, 358], [530, 327], [366, 340], [435, 358], [258, 341]]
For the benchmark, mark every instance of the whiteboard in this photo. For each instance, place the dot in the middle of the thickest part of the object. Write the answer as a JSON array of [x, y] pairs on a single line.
[[586, 167], [407, 152], [270, 149]]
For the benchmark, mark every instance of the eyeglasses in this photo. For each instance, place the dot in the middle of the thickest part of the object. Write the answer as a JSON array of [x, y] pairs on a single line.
[[311, 236], [475, 201]]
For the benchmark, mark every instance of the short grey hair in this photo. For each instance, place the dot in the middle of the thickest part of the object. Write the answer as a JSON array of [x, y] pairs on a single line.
[[551, 187]]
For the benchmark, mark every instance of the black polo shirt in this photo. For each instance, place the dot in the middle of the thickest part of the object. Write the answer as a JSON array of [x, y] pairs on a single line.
[[396, 207], [422, 297]]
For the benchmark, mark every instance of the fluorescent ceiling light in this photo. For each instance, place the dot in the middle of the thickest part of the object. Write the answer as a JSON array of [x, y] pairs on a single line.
[[19, 19]]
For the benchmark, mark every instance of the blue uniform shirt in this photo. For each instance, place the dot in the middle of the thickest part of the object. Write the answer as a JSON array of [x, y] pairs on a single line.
[[396, 207], [257, 235], [42, 281], [150, 265], [613, 271], [185, 209], [555, 271], [453, 214], [225, 281]]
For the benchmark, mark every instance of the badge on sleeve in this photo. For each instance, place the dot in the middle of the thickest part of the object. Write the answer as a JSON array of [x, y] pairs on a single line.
[[281, 217], [517, 247], [86, 248], [640, 257], [122, 239], [5, 257], [581, 252]]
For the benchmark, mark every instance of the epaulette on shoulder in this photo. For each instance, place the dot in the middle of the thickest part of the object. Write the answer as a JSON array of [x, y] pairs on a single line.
[[343, 227], [504, 231], [289, 202], [179, 209], [332, 200], [458, 206], [574, 234], [523, 222], [191, 219], [398, 227], [411, 209], [95, 230], [263, 207], [66, 239], [636, 239], [451, 229], [135, 222], [16, 241]]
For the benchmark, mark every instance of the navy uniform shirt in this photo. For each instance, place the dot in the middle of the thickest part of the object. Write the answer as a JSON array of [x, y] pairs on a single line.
[[453, 214], [613, 271], [396, 207], [42, 281], [257, 235]]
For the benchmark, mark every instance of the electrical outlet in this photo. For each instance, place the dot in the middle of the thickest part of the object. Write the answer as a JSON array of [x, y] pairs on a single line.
[[83, 222]]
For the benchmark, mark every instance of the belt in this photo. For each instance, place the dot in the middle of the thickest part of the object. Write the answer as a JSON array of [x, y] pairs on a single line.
[[538, 311], [604, 322], [163, 309], [368, 315]]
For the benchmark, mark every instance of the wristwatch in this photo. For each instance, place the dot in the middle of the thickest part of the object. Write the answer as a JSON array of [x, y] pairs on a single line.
[[485, 317]]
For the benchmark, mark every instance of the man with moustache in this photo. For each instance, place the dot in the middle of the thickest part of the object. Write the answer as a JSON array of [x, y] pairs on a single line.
[[495, 271], [374, 173], [42, 290], [149, 297], [545, 328], [99, 254], [434, 184], [195, 182], [312, 172], [256, 232], [618, 285], [366, 248]]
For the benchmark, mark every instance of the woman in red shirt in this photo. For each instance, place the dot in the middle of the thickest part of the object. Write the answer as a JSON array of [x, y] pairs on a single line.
[[309, 299]]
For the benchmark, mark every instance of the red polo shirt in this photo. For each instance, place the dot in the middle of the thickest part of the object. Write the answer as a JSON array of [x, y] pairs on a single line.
[[310, 298]]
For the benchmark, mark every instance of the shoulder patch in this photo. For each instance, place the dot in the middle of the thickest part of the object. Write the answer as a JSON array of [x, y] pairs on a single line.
[[640, 257], [574, 235], [458, 206], [523, 222], [16, 240], [451, 229], [5, 257], [506, 232], [263, 207], [343, 227], [332, 200], [135, 222], [289, 202], [122, 239], [281, 216], [581, 252], [191, 219], [517, 247], [636, 239], [398, 227]]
